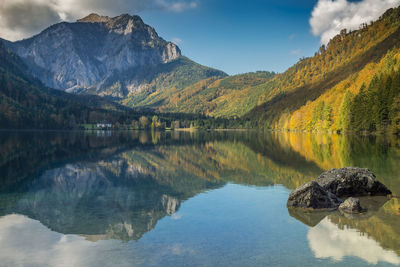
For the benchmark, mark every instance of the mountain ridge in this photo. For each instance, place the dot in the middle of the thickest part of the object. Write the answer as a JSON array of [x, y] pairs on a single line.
[[94, 17], [70, 56]]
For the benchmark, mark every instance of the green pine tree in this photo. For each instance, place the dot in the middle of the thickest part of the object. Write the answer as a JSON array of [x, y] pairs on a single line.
[[344, 112]]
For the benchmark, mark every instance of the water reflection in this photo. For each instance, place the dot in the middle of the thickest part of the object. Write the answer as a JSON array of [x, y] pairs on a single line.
[[372, 236], [29, 243], [118, 186], [328, 240], [119, 198]]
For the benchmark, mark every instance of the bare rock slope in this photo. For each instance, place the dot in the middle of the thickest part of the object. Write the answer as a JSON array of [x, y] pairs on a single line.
[[80, 55]]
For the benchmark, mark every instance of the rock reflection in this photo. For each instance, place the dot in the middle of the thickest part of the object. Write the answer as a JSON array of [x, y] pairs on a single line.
[[308, 218]]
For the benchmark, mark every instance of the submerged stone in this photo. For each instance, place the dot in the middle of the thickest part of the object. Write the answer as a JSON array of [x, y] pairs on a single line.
[[351, 205]]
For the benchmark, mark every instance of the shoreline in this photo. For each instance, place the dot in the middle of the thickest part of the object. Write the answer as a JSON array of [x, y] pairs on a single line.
[[209, 130]]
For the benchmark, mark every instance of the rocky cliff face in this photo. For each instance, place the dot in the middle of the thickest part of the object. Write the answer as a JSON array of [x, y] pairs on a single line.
[[81, 55]]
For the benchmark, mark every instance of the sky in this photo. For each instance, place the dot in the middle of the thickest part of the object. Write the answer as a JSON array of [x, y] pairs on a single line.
[[235, 36]]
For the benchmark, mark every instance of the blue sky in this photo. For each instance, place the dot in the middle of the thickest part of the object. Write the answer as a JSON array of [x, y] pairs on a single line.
[[241, 36]]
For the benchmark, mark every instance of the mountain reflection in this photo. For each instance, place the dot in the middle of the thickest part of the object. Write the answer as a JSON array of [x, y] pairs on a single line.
[[118, 198], [119, 185], [90, 199]]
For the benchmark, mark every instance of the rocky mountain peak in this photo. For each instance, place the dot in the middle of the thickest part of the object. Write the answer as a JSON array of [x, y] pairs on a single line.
[[94, 18], [122, 24], [77, 56], [126, 24], [127, 17]]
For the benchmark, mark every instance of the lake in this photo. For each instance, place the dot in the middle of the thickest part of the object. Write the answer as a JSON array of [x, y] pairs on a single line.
[[188, 198]]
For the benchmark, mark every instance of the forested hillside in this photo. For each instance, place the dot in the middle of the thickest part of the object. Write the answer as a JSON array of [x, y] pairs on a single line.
[[350, 85], [206, 96], [157, 83]]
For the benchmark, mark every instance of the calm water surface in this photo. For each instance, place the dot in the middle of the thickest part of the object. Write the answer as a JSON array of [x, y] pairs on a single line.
[[178, 199]]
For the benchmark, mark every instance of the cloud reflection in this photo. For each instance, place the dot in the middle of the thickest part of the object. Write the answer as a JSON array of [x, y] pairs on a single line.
[[24, 242], [327, 240]]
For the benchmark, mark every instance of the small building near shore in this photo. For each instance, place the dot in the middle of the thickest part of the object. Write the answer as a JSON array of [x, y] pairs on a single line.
[[104, 125]]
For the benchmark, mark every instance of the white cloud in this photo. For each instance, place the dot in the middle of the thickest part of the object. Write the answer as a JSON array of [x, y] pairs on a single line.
[[180, 6], [19, 17], [23, 18], [329, 17]]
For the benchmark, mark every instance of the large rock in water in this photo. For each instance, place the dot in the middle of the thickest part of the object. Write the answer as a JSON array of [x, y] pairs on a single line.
[[352, 181], [313, 196]]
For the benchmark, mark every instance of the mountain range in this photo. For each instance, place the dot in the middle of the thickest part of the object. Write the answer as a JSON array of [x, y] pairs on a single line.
[[105, 56], [123, 63]]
